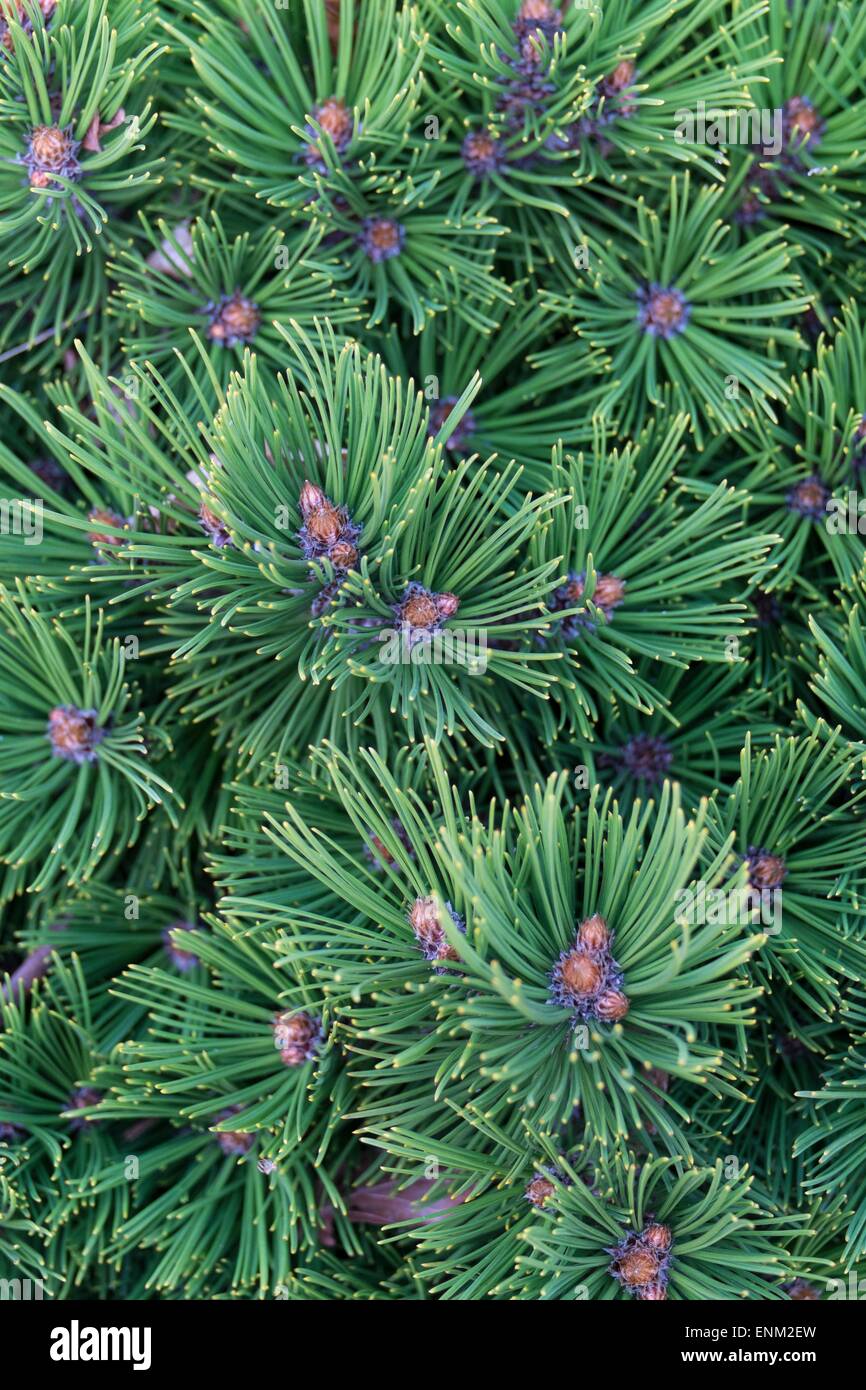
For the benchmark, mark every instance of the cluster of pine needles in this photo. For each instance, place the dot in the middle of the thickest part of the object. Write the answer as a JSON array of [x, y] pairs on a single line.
[[433, 649]]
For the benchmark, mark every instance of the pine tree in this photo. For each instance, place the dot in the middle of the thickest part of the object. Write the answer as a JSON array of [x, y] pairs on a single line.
[[432, 649]]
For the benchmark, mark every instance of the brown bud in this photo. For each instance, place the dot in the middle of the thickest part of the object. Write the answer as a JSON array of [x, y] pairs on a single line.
[[539, 1190], [297, 1036], [581, 974], [311, 499], [325, 523], [446, 952], [537, 9], [658, 1236], [424, 920], [766, 870], [234, 1143], [656, 1292], [609, 591], [380, 852], [800, 1291], [236, 320], [107, 518], [420, 610], [802, 116], [343, 555], [621, 76], [593, 933], [335, 117], [50, 146], [611, 1006], [810, 495], [572, 592], [446, 605], [637, 1267], [214, 525]]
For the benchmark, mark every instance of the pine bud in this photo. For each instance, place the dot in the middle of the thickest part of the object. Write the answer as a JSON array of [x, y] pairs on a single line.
[[539, 1190], [419, 608], [587, 979], [424, 918], [638, 1267], [235, 320], [379, 855], [52, 148], [802, 122], [593, 934], [581, 975], [800, 1291], [324, 524], [327, 530], [647, 757], [381, 238], [311, 500], [421, 612], [482, 154], [608, 595], [298, 1037], [74, 733], [766, 871], [611, 1006], [446, 952], [621, 77], [233, 1142], [658, 1236], [809, 498], [663, 311], [640, 1262], [214, 526], [446, 605], [343, 555], [102, 540], [335, 118]]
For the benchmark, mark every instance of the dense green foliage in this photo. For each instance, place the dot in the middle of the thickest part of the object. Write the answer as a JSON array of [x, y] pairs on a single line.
[[432, 648]]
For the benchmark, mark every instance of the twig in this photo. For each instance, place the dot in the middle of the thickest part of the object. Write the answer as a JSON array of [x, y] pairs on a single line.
[[42, 337]]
